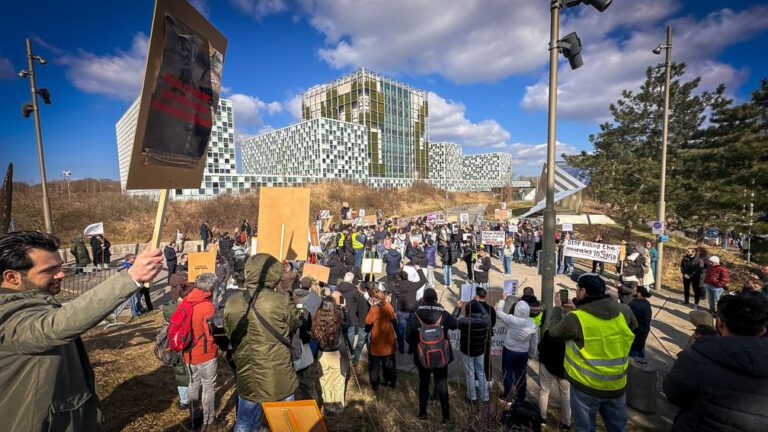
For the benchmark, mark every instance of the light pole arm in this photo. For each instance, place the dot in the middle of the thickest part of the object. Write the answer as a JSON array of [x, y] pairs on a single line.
[[39, 136]]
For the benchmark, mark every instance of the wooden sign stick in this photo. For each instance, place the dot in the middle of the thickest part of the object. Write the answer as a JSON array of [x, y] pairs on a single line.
[[162, 204], [282, 240]]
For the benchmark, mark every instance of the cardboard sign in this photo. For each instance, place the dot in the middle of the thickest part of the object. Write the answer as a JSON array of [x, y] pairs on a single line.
[[468, 292], [511, 287], [499, 214], [314, 239], [372, 265], [369, 220], [493, 238], [318, 272], [178, 100], [302, 415], [591, 251], [312, 302], [199, 263], [284, 215], [452, 218], [567, 227]]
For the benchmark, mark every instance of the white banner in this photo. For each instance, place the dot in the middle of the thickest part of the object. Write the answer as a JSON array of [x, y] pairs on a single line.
[[591, 251], [93, 229], [497, 340], [567, 227], [493, 238]]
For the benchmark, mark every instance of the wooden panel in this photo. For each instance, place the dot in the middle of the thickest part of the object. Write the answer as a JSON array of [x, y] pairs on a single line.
[[318, 272], [294, 416], [284, 207], [199, 263]]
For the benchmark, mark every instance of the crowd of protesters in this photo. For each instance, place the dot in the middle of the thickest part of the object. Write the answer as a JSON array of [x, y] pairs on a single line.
[[286, 337]]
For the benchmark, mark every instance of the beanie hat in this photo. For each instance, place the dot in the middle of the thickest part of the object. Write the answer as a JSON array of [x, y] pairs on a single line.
[[430, 295], [714, 259], [591, 282], [306, 282]]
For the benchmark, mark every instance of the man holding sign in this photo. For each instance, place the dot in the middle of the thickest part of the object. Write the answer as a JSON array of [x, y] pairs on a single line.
[[45, 362]]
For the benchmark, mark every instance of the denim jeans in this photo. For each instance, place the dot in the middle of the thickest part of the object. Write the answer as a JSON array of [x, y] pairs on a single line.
[[203, 377], [507, 265], [359, 257], [584, 409], [183, 399], [474, 365], [250, 414], [515, 364], [402, 323], [136, 308], [518, 254], [362, 339], [713, 295], [568, 265], [447, 275]]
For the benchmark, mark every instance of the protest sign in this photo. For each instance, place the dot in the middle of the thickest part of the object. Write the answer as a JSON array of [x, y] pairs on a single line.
[[493, 238], [497, 339], [466, 237], [369, 220], [317, 272], [493, 296], [314, 239], [283, 222], [591, 251], [452, 218], [567, 227], [464, 218], [199, 263], [372, 266], [301, 415], [93, 229], [512, 228], [415, 239], [361, 212], [178, 100], [468, 292], [312, 302], [325, 214], [503, 206], [254, 241], [511, 287]]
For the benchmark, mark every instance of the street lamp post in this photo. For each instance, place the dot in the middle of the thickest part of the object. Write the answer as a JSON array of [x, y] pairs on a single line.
[[34, 108], [665, 133], [66, 176]]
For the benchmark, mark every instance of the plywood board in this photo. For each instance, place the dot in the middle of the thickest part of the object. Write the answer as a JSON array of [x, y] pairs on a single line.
[[294, 416], [199, 263], [316, 271], [142, 175], [284, 207], [313, 238], [369, 220]]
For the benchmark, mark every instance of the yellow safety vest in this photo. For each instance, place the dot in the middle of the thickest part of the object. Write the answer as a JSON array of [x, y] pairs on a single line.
[[537, 319], [356, 243], [341, 240], [603, 361]]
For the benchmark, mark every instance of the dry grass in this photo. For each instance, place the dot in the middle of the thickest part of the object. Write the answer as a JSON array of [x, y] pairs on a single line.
[[139, 394], [130, 219]]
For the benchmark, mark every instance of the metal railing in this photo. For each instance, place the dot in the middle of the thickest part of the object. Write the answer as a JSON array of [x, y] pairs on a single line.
[[79, 280]]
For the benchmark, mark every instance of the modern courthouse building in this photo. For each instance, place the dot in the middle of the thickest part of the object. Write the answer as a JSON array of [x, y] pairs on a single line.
[[361, 127]]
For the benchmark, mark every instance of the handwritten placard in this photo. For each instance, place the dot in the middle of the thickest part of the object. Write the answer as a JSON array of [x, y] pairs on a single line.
[[591, 251]]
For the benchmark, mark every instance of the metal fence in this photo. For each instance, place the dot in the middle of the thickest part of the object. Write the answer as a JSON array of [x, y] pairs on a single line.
[[78, 280]]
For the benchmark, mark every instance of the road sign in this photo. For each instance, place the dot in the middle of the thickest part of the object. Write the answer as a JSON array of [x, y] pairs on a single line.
[[663, 238], [657, 227]]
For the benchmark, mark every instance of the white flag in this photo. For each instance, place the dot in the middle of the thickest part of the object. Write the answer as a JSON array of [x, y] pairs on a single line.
[[93, 229]]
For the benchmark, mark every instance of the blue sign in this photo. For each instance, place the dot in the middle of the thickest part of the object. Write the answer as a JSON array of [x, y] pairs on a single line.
[[663, 238]]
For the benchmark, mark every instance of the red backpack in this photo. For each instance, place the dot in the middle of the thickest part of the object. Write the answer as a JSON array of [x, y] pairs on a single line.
[[180, 336], [434, 348]]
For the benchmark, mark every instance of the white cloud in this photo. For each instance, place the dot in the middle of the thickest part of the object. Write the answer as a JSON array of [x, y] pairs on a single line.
[[527, 159], [202, 7], [260, 8], [611, 66], [6, 69], [293, 106], [117, 75], [448, 122], [249, 109]]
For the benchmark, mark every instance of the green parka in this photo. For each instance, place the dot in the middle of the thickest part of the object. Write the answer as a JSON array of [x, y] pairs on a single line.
[[264, 367], [80, 252], [46, 380]]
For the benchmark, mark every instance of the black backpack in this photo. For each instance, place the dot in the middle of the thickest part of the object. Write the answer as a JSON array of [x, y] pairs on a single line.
[[434, 349], [523, 416]]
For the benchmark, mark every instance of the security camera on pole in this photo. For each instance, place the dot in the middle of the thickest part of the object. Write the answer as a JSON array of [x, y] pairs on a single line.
[[570, 46], [26, 110]]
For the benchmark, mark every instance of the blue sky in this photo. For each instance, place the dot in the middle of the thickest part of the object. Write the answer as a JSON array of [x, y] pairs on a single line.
[[484, 62]]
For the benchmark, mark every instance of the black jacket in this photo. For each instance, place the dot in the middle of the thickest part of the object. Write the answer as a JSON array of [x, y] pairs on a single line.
[[405, 292], [417, 256], [642, 310], [552, 355], [691, 266], [348, 291], [392, 260], [429, 313], [475, 330], [485, 266], [721, 385], [337, 270]]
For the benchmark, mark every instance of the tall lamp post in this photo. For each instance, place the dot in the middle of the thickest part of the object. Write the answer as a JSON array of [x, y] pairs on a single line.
[[570, 46], [664, 136], [26, 110]]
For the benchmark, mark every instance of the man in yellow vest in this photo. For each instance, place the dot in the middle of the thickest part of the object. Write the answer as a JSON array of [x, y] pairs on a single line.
[[358, 245], [597, 331]]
